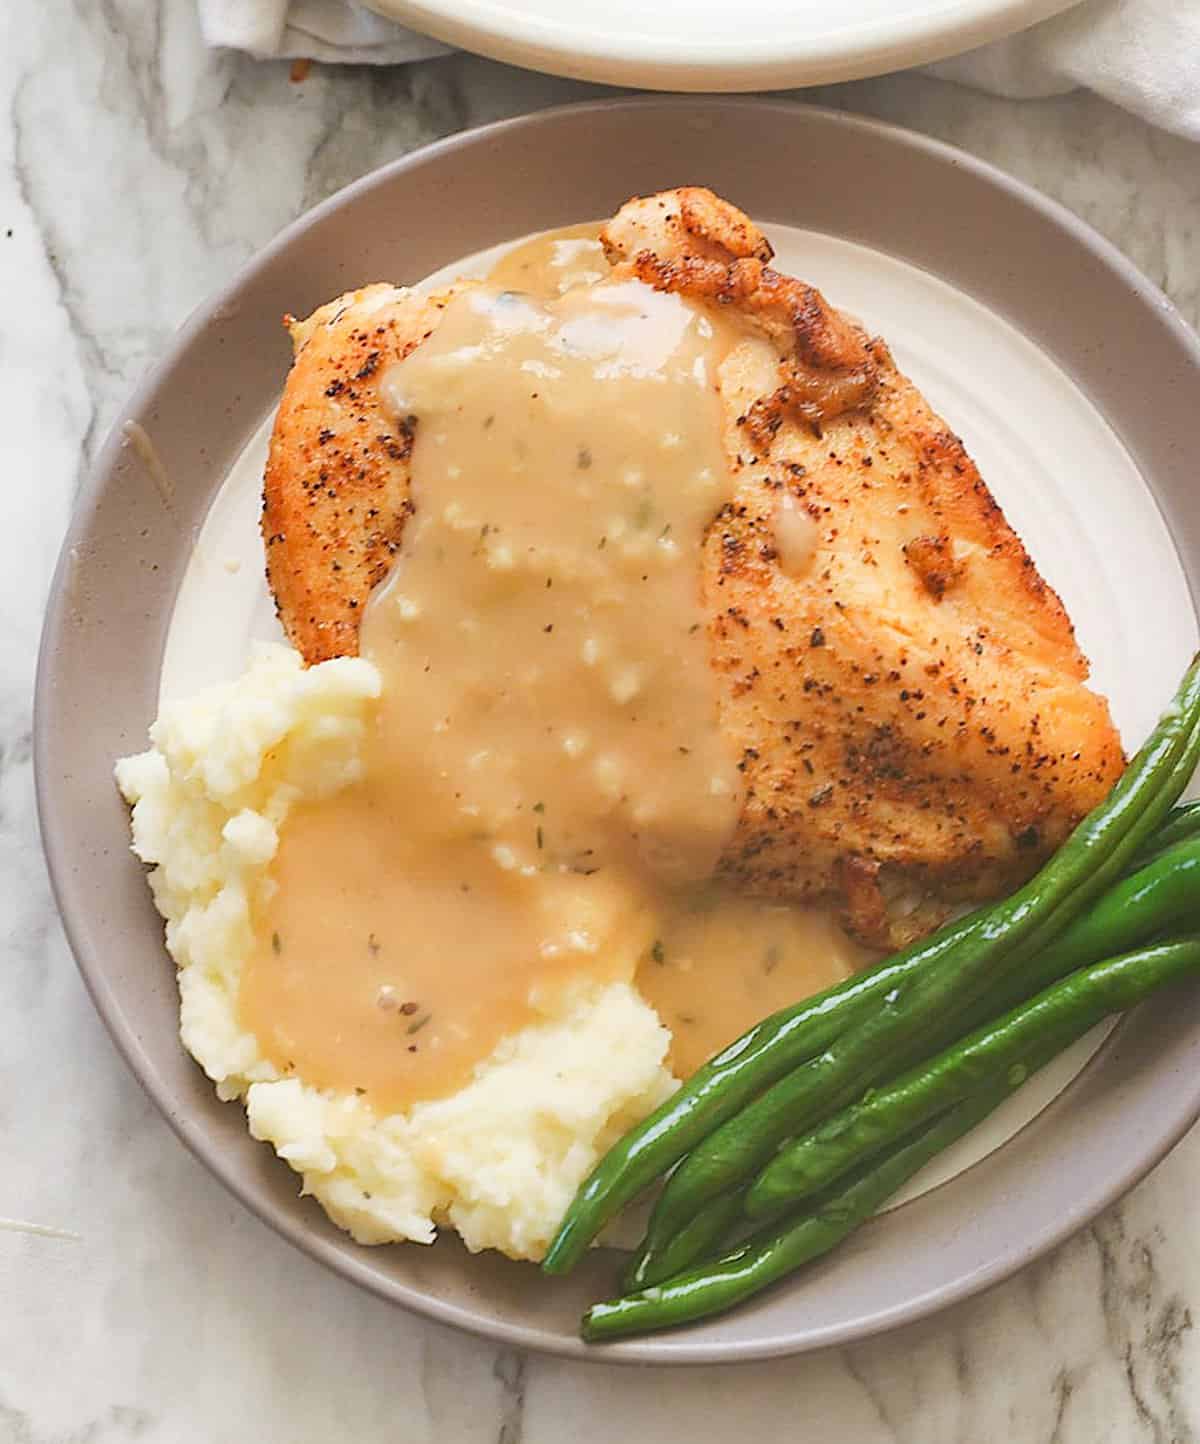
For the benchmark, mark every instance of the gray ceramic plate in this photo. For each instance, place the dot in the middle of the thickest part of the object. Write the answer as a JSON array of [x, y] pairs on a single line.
[[1046, 282]]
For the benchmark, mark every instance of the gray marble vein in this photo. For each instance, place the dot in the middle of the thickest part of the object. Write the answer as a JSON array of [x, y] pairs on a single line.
[[137, 1300]]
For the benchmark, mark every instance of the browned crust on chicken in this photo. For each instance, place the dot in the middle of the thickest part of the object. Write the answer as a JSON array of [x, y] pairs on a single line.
[[933, 560], [909, 715], [692, 242], [687, 223], [335, 490]]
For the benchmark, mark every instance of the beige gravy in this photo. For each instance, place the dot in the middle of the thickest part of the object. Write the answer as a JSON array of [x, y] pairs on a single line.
[[723, 962], [546, 790]]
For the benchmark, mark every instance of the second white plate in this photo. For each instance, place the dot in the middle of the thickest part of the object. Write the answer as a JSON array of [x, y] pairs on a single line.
[[711, 45]]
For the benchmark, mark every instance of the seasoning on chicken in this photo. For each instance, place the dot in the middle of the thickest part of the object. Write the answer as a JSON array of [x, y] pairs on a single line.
[[902, 690]]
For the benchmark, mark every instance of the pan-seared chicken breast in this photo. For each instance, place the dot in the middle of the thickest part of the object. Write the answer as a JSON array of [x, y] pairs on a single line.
[[902, 690]]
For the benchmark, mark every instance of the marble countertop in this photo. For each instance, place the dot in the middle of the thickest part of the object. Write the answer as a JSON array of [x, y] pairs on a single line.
[[138, 1301]]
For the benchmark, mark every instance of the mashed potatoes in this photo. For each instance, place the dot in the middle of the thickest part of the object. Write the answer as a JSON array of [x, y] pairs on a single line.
[[500, 1159]]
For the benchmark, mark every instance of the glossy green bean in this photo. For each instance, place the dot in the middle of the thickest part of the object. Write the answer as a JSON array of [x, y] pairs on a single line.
[[779, 1249], [1180, 824], [774, 1252], [1163, 895], [1062, 1012], [696, 1239]]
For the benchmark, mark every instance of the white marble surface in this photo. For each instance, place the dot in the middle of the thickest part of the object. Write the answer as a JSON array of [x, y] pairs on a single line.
[[135, 174]]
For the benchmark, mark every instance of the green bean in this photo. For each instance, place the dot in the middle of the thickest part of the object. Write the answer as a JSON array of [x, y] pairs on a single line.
[[1180, 824], [1063, 1012], [1143, 906], [696, 1239], [1163, 894], [912, 1013], [781, 1248]]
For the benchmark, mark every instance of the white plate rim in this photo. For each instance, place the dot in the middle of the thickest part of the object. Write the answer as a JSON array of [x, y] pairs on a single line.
[[733, 58]]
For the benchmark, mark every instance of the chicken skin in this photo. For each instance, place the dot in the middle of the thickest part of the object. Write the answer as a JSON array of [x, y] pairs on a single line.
[[902, 690]]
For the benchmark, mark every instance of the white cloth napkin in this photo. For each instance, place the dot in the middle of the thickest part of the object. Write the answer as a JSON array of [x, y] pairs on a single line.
[[1141, 54], [337, 31]]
